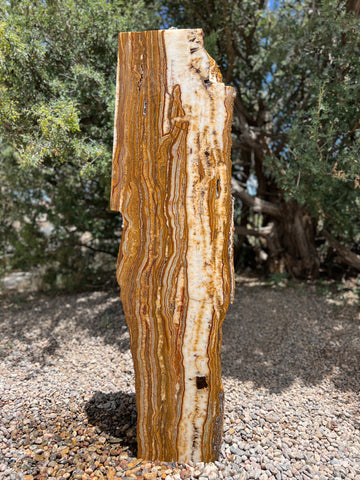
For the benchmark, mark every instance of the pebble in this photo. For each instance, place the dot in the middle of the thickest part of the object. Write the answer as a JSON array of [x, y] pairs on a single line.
[[67, 404]]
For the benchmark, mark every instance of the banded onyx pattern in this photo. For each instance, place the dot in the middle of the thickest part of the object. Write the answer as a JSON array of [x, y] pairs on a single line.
[[171, 180]]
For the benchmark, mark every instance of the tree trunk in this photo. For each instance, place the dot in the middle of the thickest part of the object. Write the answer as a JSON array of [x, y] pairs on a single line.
[[289, 236], [345, 254], [354, 5], [298, 230], [171, 181]]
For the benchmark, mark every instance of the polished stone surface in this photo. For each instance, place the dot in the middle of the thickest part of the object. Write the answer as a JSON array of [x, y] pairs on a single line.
[[171, 181]]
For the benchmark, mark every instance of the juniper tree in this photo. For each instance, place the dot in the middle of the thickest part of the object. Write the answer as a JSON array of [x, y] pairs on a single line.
[[57, 92], [296, 68]]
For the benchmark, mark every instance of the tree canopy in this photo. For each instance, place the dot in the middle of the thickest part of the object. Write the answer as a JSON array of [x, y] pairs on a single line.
[[296, 130], [296, 69], [57, 84]]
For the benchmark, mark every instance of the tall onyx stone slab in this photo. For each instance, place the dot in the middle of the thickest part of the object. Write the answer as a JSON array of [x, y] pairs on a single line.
[[171, 180]]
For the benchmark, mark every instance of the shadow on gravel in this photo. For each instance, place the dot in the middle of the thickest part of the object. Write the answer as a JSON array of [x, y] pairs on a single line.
[[115, 414], [42, 324], [112, 324], [273, 337]]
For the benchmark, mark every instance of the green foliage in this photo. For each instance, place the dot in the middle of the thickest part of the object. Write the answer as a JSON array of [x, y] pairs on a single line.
[[57, 92], [320, 122], [296, 70]]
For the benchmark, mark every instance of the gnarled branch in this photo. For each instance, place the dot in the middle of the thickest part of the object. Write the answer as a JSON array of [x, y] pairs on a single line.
[[348, 257], [256, 203]]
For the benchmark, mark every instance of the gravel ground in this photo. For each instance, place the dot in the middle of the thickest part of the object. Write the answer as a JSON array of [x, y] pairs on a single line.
[[291, 376]]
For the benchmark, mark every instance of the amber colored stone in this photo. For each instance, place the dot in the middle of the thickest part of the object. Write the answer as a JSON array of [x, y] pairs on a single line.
[[171, 181]]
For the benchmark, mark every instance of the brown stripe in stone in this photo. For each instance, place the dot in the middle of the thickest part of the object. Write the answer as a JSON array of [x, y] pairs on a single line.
[[166, 183]]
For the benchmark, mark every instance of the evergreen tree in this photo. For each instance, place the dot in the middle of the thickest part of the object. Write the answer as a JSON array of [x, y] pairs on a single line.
[[57, 92], [296, 132]]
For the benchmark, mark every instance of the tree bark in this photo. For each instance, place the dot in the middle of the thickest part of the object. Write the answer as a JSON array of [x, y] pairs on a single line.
[[256, 203], [346, 255], [171, 180], [290, 236], [298, 237], [354, 5]]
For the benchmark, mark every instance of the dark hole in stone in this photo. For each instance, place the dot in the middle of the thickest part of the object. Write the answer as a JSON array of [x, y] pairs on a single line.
[[194, 49], [218, 188], [207, 81], [201, 383], [207, 154]]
